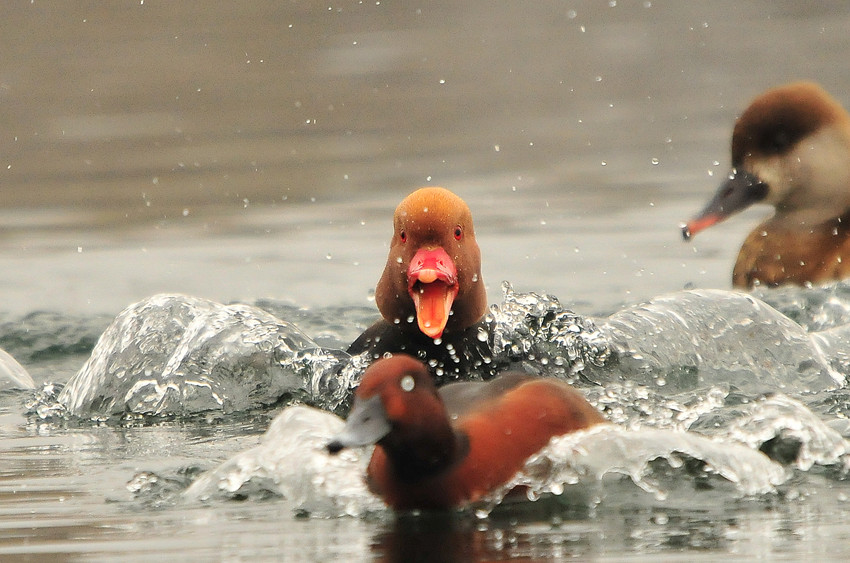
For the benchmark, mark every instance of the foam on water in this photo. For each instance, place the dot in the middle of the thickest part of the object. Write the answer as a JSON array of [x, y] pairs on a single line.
[[535, 329], [695, 339], [587, 457], [706, 389], [292, 462], [816, 308], [179, 355], [174, 354], [779, 418]]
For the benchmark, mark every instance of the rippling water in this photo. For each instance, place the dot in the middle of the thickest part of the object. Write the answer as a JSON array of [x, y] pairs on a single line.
[[254, 154]]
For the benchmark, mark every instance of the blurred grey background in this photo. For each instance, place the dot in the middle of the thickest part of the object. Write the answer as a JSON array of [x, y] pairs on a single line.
[[257, 149]]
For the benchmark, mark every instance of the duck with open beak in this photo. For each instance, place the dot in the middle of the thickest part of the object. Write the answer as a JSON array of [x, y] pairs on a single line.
[[431, 294]]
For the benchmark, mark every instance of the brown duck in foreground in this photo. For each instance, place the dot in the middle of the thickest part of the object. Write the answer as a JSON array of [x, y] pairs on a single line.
[[444, 448]]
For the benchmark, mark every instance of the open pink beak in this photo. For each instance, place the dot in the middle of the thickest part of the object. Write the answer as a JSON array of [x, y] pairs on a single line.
[[432, 284]]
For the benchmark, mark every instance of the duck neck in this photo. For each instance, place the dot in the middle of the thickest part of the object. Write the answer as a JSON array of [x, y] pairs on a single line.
[[841, 224], [424, 452], [810, 220]]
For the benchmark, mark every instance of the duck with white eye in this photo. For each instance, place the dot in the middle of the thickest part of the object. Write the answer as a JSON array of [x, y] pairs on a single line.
[[440, 449]]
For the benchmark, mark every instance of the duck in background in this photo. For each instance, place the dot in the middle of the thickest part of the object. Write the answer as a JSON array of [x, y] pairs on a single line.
[[790, 149], [431, 294], [442, 449]]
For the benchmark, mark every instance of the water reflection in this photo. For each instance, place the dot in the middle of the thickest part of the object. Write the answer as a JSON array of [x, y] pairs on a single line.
[[146, 143], [644, 530], [446, 537], [550, 534]]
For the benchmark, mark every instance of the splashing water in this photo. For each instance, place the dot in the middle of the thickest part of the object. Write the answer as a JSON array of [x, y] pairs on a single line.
[[178, 355], [690, 380], [817, 308], [173, 354], [780, 420], [291, 462], [587, 457], [696, 339], [536, 329], [12, 374]]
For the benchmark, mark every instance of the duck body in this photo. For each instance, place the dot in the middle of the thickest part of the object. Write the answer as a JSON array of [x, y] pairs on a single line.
[[790, 149], [441, 449], [431, 295], [775, 254], [453, 355]]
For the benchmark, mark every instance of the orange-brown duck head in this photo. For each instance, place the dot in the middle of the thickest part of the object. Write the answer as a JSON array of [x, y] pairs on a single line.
[[433, 271], [397, 404]]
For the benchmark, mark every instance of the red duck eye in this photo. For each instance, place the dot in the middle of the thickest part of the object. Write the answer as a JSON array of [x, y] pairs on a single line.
[[458, 233], [403, 236]]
